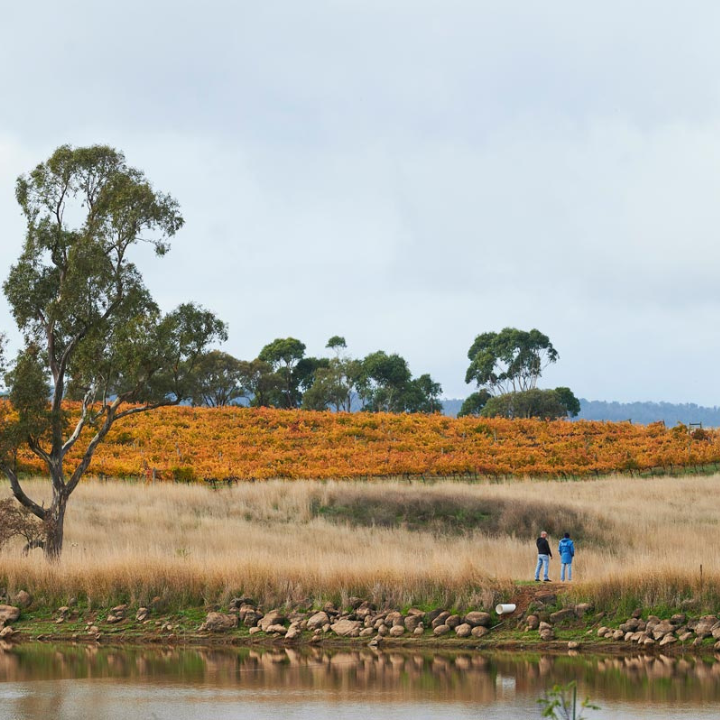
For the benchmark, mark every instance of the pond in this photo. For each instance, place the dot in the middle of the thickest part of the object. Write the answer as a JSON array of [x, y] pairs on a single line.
[[39, 681]]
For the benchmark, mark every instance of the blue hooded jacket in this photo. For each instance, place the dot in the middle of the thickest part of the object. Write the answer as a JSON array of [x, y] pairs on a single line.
[[566, 548]]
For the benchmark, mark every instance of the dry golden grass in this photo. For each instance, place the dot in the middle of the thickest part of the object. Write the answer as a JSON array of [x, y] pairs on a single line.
[[643, 540]]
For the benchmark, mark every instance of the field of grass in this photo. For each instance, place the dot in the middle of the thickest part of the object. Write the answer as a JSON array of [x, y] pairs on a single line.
[[395, 542]]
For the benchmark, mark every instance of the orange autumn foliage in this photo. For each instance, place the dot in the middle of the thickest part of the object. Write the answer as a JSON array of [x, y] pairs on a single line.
[[184, 443]]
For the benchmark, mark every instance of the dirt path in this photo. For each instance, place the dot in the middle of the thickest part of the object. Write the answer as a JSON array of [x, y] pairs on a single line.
[[524, 595]]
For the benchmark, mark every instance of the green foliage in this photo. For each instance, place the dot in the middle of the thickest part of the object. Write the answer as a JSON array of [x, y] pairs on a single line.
[[183, 474], [259, 382], [284, 355], [219, 380], [509, 361], [528, 404], [333, 385], [385, 384], [29, 392], [474, 403], [561, 703], [568, 400], [336, 343]]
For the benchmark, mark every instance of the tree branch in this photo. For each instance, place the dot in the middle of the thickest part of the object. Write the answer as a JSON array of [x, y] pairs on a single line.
[[20, 495], [87, 400]]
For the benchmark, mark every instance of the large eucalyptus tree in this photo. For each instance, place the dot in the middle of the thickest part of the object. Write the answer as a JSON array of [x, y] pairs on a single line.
[[92, 332]]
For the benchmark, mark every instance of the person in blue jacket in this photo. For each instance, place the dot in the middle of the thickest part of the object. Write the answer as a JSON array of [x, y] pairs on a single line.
[[566, 548]]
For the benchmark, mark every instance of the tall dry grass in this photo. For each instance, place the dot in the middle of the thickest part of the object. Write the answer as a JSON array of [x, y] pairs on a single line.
[[306, 542]]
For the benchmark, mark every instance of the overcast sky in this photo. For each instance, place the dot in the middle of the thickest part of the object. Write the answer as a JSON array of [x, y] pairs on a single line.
[[407, 174]]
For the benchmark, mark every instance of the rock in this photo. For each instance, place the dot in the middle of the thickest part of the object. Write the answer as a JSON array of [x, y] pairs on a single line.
[[276, 629], [561, 615], [637, 613], [419, 630], [412, 622], [219, 622], [250, 618], [345, 628], [397, 630], [582, 609], [533, 622], [367, 632], [464, 630], [630, 625], [142, 614], [440, 619], [618, 635], [93, 630], [668, 640], [479, 631], [394, 618], [292, 633], [453, 621], [476, 618], [573, 645], [601, 631], [678, 618], [703, 628], [383, 630], [441, 630], [685, 636], [547, 634], [661, 629], [23, 599], [9, 613], [547, 598], [237, 603], [647, 641], [432, 615], [544, 625], [274, 617], [114, 619], [317, 620], [6, 632]]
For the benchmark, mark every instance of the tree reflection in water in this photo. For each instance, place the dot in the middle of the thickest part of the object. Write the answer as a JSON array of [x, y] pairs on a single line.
[[387, 677]]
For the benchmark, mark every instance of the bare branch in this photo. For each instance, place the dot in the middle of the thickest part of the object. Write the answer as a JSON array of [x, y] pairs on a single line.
[[20, 495]]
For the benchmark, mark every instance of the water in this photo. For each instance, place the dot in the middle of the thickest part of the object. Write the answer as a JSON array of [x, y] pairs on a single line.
[[90, 682]]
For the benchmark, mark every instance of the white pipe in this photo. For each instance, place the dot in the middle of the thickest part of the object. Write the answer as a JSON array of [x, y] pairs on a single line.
[[504, 609]]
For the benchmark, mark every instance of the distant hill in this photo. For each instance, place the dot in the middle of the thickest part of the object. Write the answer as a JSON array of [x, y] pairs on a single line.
[[452, 406], [647, 412], [642, 413]]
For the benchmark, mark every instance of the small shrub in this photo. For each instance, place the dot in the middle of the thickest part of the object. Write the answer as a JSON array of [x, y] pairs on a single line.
[[18, 521]]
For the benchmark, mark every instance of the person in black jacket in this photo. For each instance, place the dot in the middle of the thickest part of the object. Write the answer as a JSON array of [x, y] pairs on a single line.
[[544, 555]]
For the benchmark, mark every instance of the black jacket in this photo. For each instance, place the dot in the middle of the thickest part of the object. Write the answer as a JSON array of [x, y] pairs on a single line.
[[543, 546]]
